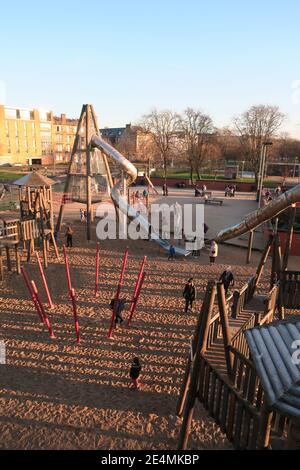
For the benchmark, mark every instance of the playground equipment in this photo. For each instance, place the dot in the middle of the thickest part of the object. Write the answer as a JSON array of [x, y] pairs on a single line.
[[258, 217], [36, 207], [85, 155]]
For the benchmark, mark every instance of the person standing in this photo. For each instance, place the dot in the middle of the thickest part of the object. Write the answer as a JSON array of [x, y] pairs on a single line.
[[227, 279], [189, 294], [214, 249], [81, 215], [172, 253], [134, 372], [165, 189], [69, 236]]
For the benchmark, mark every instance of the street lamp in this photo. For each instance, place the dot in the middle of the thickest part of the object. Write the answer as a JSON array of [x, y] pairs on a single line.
[[262, 169]]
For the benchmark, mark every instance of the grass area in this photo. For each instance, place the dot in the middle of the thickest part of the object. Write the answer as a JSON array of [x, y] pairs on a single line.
[[185, 175], [9, 175]]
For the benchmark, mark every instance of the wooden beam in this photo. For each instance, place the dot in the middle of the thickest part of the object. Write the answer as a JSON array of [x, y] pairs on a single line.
[[250, 244], [225, 327], [289, 238]]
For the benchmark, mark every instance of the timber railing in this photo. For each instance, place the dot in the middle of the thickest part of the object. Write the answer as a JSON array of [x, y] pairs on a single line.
[[290, 289]]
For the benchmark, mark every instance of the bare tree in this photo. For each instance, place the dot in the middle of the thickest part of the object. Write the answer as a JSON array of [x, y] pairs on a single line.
[[197, 131], [255, 126], [164, 127]]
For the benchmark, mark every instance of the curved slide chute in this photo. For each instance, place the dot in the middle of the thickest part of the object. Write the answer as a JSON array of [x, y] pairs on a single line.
[[121, 202], [258, 217]]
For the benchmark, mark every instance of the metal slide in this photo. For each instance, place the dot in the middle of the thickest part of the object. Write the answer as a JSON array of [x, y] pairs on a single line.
[[121, 202], [258, 217]]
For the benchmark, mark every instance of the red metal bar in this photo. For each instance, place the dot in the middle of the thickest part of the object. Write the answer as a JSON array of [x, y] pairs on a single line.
[[140, 274], [67, 268], [30, 290], [133, 306], [44, 281], [46, 319], [97, 269], [76, 322], [116, 298]]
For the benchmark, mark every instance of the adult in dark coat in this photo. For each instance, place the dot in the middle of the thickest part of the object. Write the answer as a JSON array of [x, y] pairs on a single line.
[[189, 294], [227, 279]]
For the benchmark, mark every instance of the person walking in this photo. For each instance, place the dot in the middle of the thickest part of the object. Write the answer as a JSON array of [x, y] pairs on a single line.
[[134, 372], [118, 306], [214, 250], [227, 279], [69, 236], [189, 294]]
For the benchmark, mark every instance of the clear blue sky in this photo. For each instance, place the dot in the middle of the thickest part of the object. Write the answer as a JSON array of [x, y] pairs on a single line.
[[126, 57]]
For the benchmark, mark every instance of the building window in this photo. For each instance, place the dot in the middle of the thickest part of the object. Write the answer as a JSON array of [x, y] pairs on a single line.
[[10, 113]]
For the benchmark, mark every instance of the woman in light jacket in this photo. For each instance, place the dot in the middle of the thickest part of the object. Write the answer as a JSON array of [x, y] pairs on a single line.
[[213, 252]]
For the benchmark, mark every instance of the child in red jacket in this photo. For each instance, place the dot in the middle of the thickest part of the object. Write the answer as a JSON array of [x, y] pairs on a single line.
[[134, 372]]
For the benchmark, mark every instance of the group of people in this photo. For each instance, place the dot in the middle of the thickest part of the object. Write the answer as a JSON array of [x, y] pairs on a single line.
[[200, 192], [189, 292], [230, 190]]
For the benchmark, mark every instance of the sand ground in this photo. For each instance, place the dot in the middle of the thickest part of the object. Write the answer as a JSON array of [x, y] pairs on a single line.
[[55, 394]]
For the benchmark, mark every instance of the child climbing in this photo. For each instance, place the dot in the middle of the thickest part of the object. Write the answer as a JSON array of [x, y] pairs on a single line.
[[119, 307], [134, 372]]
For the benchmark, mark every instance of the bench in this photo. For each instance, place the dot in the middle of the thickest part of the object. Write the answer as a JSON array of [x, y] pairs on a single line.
[[214, 201]]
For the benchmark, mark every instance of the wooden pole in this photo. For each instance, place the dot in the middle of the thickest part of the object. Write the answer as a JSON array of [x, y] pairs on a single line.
[[50, 303], [225, 327], [97, 269], [46, 319], [289, 237], [116, 298], [31, 293], [263, 260], [67, 269], [76, 322], [136, 289], [140, 285], [250, 244], [88, 174]]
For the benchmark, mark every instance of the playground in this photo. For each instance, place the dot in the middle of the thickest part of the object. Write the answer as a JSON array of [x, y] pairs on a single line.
[[65, 383], [56, 394]]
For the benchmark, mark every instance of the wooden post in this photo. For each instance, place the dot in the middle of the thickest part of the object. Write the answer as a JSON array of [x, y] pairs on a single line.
[[67, 183], [263, 260], [136, 289], [46, 319], [136, 298], [31, 293], [18, 264], [264, 431], [200, 336], [67, 269], [289, 236], [225, 328], [1, 266], [44, 281], [250, 244], [73, 299], [88, 174], [8, 258]]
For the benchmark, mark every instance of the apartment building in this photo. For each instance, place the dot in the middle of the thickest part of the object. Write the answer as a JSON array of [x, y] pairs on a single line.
[[34, 136]]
